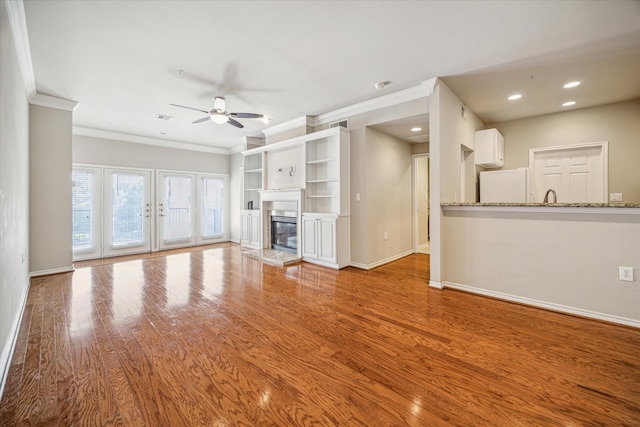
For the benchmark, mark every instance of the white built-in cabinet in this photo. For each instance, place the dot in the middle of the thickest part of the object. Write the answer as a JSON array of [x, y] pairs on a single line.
[[326, 239], [489, 151], [324, 232], [250, 222]]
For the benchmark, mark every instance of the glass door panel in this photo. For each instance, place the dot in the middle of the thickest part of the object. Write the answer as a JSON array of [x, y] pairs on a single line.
[[86, 213], [127, 211], [212, 207], [176, 210]]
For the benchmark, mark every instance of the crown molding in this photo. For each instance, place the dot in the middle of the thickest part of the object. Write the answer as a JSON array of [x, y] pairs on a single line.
[[18, 24], [103, 134], [289, 125], [423, 90], [53, 102]]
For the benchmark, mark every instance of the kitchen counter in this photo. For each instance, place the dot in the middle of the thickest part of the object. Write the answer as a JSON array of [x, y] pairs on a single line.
[[611, 208]]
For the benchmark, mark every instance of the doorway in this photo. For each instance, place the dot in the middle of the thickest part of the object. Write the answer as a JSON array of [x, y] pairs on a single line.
[[421, 203]]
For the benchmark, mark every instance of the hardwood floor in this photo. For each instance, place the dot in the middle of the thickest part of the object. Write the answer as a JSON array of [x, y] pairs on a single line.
[[218, 339]]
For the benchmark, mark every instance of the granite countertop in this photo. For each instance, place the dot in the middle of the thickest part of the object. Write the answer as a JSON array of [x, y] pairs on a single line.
[[546, 205]]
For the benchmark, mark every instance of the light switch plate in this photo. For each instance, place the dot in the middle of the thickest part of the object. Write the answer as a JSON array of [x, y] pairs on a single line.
[[625, 273], [615, 197]]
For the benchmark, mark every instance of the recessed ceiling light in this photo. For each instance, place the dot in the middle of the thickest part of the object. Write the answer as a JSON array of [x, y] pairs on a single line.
[[381, 85], [514, 97], [569, 103], [571, 84], [416, 129]]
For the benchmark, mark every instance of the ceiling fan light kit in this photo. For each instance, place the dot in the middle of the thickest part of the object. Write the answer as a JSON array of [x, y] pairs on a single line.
[[220, 115]]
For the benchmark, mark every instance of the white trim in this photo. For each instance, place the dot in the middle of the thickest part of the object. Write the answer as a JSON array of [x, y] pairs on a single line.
[[12, 339], [53, 102], [381, 262], [604, 158], [58, 270], [411, 94], [288, 125], [103, 134], [18, 24], [423, 90], [435, 285], [544, 304]]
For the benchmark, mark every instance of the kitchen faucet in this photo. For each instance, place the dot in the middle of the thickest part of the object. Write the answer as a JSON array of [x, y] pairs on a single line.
[[546, 196]]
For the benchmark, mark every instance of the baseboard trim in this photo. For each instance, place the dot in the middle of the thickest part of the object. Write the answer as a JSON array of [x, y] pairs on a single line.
[[544, 304], [435, 285], [12, 339], [52, 271], [381, 262]]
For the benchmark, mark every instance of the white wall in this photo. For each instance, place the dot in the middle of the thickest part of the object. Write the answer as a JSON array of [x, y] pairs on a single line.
[[617, 123], [109, 152], [50, 219], [14, 194]]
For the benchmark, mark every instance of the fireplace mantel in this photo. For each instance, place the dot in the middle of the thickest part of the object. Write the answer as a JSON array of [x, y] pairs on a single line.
[[284, 195]]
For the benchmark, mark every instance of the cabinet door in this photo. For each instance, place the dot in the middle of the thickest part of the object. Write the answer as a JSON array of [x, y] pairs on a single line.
[[309, 237], [246, 224], [254, 229], [326, 229]]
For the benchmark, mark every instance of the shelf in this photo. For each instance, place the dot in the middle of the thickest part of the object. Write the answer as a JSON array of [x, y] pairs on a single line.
[[254, 171], [253, 189], [320, 161], [322, 196], [313, 181]]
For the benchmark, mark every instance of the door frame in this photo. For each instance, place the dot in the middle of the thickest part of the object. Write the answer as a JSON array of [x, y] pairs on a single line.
[[604, 159], [414, 201]]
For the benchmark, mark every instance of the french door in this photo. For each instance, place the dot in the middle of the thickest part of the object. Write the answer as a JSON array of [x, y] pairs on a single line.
[[127, 213], [86, 195], [191, 209]]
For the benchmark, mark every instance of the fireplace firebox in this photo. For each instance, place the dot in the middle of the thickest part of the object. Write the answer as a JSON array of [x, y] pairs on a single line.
[[284, 231]]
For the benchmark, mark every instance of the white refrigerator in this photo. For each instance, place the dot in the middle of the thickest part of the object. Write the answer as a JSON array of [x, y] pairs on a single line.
[[506, 186]]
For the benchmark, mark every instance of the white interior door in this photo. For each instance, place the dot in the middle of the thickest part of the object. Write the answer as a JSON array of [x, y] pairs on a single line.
[[176, 209], [87, 212], [127, 213], [577, 174]]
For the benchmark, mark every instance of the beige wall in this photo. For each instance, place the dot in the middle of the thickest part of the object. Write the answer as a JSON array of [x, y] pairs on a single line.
[[236, 168], [562, 261], [109, 152], [389, 196], [14, 194], [50, 190], [617, 123]]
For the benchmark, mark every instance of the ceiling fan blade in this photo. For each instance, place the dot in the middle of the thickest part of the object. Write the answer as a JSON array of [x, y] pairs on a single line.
[[235, 123], [190, 108], [220, 104], [247, 115], [204, 119]]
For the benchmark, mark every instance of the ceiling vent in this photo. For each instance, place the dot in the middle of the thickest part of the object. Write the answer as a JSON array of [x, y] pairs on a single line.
[[163, 117], [342, 123]]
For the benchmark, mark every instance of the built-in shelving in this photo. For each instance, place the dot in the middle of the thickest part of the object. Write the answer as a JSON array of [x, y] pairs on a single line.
[[253, 180]]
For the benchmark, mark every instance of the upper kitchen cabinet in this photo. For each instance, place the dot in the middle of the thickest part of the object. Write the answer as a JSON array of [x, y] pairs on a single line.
[[327, 172], [489, 152]]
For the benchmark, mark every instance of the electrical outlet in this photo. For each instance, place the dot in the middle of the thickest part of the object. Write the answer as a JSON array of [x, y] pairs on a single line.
[[615, 197], [625, 273], [357, 197], [385, 236]]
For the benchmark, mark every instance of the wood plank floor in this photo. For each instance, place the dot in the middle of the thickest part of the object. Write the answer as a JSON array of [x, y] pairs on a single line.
[[214, 338]]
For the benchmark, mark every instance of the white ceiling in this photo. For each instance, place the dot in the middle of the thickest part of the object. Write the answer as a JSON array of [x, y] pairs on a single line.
[[287, 59]]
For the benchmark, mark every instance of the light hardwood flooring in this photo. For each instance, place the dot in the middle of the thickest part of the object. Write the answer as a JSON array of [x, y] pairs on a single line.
[[214, 338]]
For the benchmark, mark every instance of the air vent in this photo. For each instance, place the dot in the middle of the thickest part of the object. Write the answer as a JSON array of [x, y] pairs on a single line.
[[163, 117], [342, 123]]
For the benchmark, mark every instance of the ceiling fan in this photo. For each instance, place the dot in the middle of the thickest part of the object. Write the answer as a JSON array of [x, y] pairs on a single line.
[[220, 115]]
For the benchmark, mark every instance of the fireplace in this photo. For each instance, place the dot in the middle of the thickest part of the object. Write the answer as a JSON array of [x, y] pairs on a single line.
[[284, 234]]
